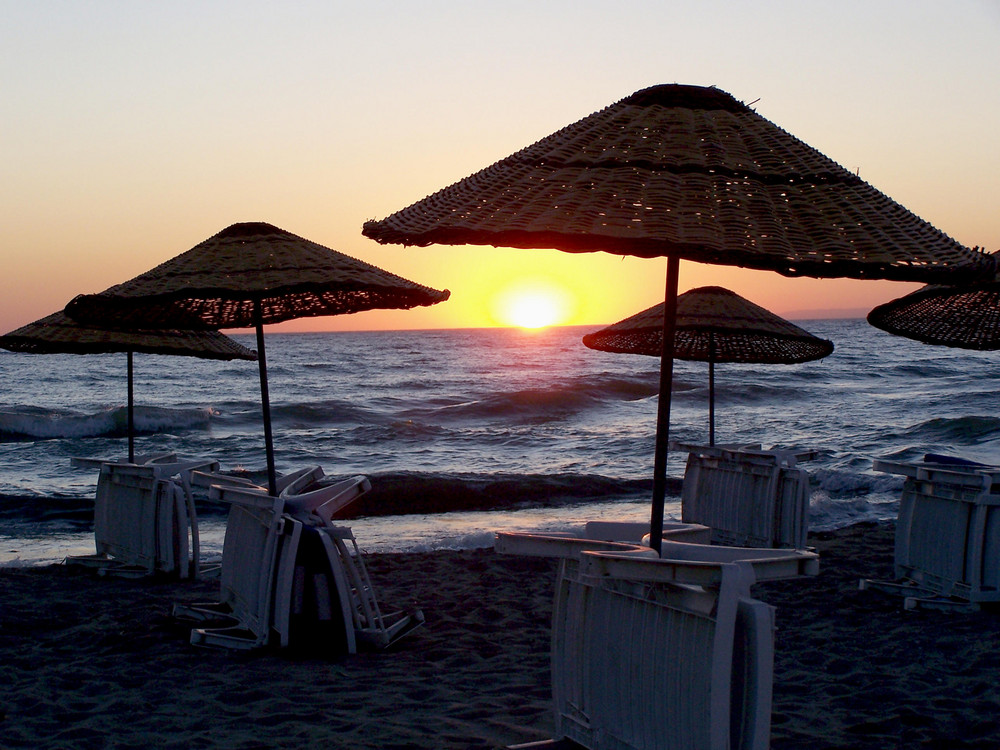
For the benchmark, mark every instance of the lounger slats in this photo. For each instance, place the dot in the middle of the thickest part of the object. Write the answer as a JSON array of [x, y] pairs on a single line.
[[661, 653], [290, 576], [144, 518], [948, 539], [947, 549], [747, 498]]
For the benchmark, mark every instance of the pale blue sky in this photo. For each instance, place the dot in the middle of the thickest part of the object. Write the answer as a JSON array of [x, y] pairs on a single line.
[[133, 130]]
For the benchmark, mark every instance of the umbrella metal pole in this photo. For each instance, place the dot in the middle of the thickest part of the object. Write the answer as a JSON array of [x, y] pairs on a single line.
[[265, 400], [663, 404], [130, 413], [711, 389]]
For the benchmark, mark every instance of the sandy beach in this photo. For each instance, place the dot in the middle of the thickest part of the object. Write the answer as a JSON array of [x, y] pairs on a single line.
[[93, 663]]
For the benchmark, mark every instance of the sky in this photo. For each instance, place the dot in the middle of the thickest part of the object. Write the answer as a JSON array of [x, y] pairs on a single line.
[[132, 131]]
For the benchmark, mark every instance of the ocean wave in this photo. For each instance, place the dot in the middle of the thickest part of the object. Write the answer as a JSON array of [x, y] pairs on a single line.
[[40, 424], [961, 430], [404, 492], [839, 483], [758, 393], [322, 412], [828, 513], [399, 493], [555, 401]]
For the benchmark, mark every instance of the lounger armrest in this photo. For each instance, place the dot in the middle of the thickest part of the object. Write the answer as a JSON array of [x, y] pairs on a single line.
[[207, 479], [983, 478], [888, 466], [164, 470], [156, 458], [538, 545], [324, 502], [631, 567], [768, 564], [83, 462], [294, 482], [252, 495]]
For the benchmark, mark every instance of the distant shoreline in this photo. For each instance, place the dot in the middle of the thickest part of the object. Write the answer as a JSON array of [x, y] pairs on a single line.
[[797, 315]]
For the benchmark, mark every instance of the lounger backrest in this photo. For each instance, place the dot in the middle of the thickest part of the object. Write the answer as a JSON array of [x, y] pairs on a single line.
[[250, 554], [747, 499]]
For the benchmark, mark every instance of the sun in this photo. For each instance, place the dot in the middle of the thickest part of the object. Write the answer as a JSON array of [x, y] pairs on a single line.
[[532, 304]]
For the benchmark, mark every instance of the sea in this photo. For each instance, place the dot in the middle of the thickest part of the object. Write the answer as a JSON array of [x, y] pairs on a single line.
[[472, 431]]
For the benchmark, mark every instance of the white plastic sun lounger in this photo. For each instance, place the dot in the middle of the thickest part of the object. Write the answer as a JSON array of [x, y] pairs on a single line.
[[343, 580], [650, 652], [947, 548], [258, 538], [145, 521], [731, 495], [288, 572], [749, 498]]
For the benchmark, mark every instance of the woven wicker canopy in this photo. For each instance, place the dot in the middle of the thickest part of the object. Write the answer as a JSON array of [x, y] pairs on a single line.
[[691, 172], [250, 275], [714, 324], [58, 333], [966, 317], [685, 172], [219, 281]]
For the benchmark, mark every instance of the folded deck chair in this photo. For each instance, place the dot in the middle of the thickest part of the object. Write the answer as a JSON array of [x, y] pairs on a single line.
[[145, 521], [748, 497], [947, 546], [288, 572], [660, 652], [255, 559], [343, 575]]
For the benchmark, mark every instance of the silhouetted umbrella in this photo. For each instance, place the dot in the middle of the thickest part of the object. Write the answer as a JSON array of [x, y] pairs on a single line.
[[58, 334], [249, 275], [685, 172], [713, 325], [965, 316]]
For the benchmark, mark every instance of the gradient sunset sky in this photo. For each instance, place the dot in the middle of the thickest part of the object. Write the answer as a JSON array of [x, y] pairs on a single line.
[[131, 131]]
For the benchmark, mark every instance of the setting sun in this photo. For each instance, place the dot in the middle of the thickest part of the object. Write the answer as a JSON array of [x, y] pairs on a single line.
[[532, 304]]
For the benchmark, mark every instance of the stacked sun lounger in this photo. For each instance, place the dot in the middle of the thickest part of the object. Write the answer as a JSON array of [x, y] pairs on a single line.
[[733, 495], [290, 576], [145, 521], [947, 549], [668, 651], [747, 496]]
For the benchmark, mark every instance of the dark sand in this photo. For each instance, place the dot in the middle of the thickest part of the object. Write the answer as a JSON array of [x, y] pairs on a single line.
[[88, 662]]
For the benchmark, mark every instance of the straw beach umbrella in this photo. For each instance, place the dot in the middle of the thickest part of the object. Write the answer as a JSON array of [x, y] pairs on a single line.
[[59, 334], [250, 275], [713, 325], [965, 317], [684, 172]]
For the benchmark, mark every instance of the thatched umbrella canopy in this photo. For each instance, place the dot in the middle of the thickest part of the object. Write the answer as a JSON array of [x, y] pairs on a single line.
[[965, 316], [249, 275], [714, 325], [59, 334], [685, 172]]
